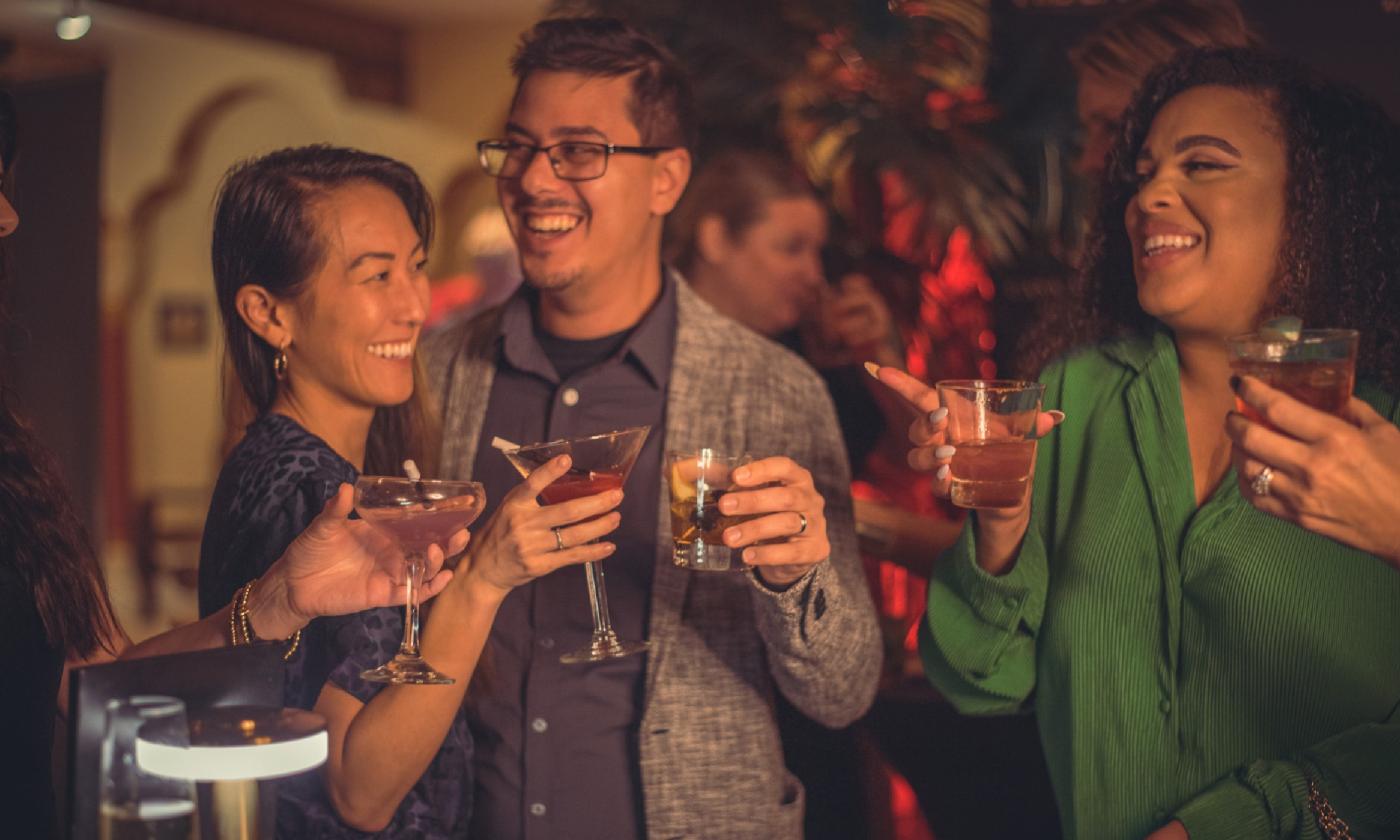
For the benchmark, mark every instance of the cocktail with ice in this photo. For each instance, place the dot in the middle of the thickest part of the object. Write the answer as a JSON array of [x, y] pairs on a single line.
[[1316, 367], [991, 424], [416, 515], [600, 463], [698, 480]]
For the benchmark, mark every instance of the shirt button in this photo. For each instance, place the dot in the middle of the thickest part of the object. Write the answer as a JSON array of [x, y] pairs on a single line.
[[539, 724], [1165, 706], [537, 809], [547, 643], [569, 397]]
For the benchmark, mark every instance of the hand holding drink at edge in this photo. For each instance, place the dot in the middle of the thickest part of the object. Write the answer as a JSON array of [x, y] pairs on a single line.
[[1307, 451], [999, 529]]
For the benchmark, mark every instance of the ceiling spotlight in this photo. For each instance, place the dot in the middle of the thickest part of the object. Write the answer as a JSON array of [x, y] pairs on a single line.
[[74, 23]]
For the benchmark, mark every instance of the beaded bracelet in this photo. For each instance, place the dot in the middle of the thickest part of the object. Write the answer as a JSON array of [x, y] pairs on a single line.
[[241, 626]]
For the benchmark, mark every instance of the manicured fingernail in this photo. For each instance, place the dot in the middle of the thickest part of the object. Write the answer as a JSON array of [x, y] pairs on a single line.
[[566, 462], [615, 496], [1057, 414], [944, 452], [748, 555], [1235, 383], [733, 536], [937, 415], [872, 369], [727, 505], [609, 548], [741, 474], [943, 472]]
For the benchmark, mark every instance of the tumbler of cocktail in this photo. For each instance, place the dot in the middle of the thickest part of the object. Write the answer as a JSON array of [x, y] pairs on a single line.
[[1316, 367], [698, 480], [991, 425]]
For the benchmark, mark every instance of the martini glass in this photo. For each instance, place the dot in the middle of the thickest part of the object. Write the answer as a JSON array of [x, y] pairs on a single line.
[[415, 514], [600, 463]]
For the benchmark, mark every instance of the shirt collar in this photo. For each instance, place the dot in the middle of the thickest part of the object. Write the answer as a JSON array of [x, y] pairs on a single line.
[[650, 346], [1139, 350]]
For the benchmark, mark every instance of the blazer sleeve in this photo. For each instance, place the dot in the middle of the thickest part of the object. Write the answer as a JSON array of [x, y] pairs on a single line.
[[821, 635], [977, 639]]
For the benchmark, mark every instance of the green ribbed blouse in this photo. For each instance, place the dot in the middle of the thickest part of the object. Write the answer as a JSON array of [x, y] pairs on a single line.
[[1196, 663]]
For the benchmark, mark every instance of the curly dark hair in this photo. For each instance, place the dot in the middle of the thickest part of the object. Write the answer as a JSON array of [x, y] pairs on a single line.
[[41, 536], [1340, 263]]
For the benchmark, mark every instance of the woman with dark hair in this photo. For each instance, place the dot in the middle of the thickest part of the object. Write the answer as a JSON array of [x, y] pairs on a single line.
[[318, 256], [54, 610], [1198, 668]]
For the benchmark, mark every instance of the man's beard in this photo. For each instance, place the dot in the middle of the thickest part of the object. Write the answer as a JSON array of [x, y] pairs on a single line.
[[550, 281]]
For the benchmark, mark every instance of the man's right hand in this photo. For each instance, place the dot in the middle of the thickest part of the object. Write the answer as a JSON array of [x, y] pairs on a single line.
[[522, 539]]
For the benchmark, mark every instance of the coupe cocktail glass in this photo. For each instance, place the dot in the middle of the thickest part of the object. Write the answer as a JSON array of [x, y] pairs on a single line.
[[415, 514], [600, 463]]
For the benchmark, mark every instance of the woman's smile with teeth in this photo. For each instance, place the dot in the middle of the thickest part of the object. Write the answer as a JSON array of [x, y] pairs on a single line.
[[392, 350], [558, 223], [1159, 243]]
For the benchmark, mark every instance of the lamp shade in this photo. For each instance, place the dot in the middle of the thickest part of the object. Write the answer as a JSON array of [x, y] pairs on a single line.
[[236, 743]]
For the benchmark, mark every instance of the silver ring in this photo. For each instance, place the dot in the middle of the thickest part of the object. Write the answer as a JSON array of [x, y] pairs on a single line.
[[1261, 482], [802, 530], [558, 539]]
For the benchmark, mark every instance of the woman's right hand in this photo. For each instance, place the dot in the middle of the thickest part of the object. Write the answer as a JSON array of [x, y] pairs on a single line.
[[519, 543], [999, 530]]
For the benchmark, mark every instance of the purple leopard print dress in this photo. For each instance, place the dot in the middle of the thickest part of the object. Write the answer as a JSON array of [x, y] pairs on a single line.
[[274, 483]]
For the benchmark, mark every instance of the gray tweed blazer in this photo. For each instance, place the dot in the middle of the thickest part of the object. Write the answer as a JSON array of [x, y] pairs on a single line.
[[711, 761]]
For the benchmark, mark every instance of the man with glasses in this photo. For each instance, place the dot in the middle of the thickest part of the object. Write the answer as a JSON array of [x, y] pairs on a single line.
[[679, 741]]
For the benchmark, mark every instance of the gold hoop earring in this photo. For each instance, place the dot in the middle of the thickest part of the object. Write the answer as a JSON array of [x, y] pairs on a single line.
[[279, 365]]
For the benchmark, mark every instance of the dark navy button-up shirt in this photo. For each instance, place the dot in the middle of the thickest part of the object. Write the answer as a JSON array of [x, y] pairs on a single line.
[[557, 744]]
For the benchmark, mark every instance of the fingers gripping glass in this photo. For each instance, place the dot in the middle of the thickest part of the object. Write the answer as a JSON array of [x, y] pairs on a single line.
[[571, 160]]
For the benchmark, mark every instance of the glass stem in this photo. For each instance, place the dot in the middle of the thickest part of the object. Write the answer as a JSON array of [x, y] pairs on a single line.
[[409, 647], [598, 599]]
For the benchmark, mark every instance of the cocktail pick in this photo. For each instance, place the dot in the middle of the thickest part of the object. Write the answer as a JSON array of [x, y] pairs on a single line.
[[410, 469], [503, 444]]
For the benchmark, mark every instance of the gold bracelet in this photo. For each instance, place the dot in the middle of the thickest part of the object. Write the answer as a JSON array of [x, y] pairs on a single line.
[[1333, 827], [241, 620]]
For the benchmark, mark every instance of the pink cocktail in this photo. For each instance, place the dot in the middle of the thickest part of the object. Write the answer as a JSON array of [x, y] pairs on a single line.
[[416, 515]]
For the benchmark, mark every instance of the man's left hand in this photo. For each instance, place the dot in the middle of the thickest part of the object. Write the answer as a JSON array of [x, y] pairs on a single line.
[[791, 520]]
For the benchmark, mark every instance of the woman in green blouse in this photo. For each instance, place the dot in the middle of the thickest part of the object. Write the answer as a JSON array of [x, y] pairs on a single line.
[[1197, 667]]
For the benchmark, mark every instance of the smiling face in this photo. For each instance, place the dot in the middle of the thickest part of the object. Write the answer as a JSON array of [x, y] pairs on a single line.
[[1207, 222], [354, 330], [584, 232], [771, 272]]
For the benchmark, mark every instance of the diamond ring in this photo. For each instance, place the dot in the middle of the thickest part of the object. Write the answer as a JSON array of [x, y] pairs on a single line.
[[1261, 482]]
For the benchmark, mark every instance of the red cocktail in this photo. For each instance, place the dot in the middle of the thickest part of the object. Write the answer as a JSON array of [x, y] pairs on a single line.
[[600, 463], [1316, 367]]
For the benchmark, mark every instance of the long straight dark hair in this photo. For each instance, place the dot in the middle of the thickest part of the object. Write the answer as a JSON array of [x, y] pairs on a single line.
[[266, 232], [41, 535]]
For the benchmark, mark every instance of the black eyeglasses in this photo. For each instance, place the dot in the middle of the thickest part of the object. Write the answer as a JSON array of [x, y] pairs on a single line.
[[571, 160]]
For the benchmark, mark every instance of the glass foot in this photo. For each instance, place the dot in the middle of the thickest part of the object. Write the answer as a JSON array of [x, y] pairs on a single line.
[[406, 670], [603, 646]]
